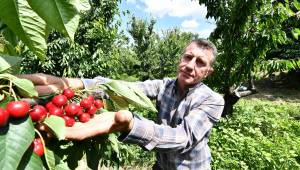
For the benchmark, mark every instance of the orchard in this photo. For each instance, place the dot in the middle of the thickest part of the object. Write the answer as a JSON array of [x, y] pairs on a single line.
[[82, 38], [32, 127]]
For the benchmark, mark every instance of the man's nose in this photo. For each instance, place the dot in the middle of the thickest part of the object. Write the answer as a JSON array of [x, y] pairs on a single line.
[[191, 64]]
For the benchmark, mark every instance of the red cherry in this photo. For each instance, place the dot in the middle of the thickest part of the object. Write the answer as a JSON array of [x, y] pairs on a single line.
[[59, 100], [69, 93], [84, 117], [50, 105], [4, 116], [92, 110], [91, 98], [18, 109], [85, 103], [69, 121], [72, 109], [38, 112], [98, 103], [38, 146], [80, 111], [56, 111]]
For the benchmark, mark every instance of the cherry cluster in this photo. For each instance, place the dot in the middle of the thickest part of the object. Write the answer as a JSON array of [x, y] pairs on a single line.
[[61, 105]]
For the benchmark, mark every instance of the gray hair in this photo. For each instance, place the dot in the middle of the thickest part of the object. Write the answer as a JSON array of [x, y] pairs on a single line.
[[206, 44]]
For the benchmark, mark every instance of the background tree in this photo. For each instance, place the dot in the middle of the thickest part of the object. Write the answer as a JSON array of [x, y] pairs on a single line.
[[245, 31], [169, 50], [16, 20], [144, 39], [93, 51]]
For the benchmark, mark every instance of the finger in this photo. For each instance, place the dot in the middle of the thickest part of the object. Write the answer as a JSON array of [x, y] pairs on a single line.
[[37, 79], [47, 89], [99, 125], [123, 116]]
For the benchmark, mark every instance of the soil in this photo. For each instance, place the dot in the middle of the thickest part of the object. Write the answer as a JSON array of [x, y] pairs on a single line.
[[277, 90]]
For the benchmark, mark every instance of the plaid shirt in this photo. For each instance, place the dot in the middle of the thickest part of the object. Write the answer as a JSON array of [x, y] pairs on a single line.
[[183, 126]]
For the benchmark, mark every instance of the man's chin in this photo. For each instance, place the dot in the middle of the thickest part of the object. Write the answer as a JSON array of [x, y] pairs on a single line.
[[187, 82]]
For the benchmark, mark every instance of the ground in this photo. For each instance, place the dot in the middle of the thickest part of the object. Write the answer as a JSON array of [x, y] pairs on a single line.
[[279, 91]]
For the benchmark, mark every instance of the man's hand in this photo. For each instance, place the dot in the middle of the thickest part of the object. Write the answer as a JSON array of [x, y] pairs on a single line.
[[47, 84], [105, 123]]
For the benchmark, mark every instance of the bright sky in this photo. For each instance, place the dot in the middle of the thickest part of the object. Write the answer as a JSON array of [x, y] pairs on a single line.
[[187, 15]]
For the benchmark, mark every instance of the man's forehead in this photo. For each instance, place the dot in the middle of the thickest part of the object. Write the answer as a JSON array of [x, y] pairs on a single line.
[[194, 49]]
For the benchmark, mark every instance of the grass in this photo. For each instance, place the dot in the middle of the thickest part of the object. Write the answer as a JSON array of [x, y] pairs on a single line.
[[261, 134]]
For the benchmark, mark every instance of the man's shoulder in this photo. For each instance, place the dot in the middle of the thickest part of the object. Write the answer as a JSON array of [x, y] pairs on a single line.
[[210, 94], [208, 97]]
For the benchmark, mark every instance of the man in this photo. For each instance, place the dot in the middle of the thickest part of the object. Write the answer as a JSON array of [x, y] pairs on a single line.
[[187, 111]]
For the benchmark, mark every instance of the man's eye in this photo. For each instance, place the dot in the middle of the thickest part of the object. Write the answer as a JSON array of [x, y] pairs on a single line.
[[199, 62], [187, 57]]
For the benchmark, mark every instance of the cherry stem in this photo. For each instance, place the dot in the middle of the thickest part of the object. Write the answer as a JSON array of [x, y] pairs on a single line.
[[41, 137], [11, 90]]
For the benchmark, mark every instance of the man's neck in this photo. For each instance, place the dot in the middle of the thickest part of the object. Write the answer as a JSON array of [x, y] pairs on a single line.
[[182, 88]]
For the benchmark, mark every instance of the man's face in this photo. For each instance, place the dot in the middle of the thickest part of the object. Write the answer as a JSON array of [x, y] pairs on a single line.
[[194, 65]]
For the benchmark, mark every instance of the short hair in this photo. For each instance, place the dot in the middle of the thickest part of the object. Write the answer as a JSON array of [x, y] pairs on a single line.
[[206, 44]]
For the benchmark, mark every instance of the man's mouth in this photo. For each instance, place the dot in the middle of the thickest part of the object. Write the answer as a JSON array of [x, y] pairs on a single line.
[[185, 74]]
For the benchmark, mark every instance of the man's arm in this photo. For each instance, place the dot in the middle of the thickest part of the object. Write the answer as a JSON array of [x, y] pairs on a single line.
[[104, 123], [194, 127], [46, 84]]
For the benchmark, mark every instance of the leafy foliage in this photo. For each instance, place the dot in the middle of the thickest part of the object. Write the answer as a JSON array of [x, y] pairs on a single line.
[[260, 135], [17, 18], [169, 49], [92, 52], [15, 139], [157, 56], [246, 30]]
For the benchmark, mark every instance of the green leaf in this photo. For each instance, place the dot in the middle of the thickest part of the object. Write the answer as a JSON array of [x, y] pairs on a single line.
[[296, 33], [10, 36], [82, 5], [130, 95], [25, 87], [7, 63], [15, 138], [142, 96], [62, 166], [102, 110], [93, 154], [76, 151], [6, 100], [114, 142], [108, 105], [296, 4], [25, 23], [7, 76], [121, 102], [56, 125], [30, 161], [54, 162], [61, 15]]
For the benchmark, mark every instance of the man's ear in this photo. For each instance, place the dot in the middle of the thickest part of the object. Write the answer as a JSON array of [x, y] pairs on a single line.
[[209, 71]]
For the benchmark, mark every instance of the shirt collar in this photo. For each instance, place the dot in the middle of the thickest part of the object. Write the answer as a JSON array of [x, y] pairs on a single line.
[[190, 89]]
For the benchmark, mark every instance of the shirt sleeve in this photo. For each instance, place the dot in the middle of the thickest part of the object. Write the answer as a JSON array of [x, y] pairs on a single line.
[[151, 88], [93, 83], [195, 126]]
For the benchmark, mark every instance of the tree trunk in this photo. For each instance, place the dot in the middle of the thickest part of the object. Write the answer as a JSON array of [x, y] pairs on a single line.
[[230, 99]]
